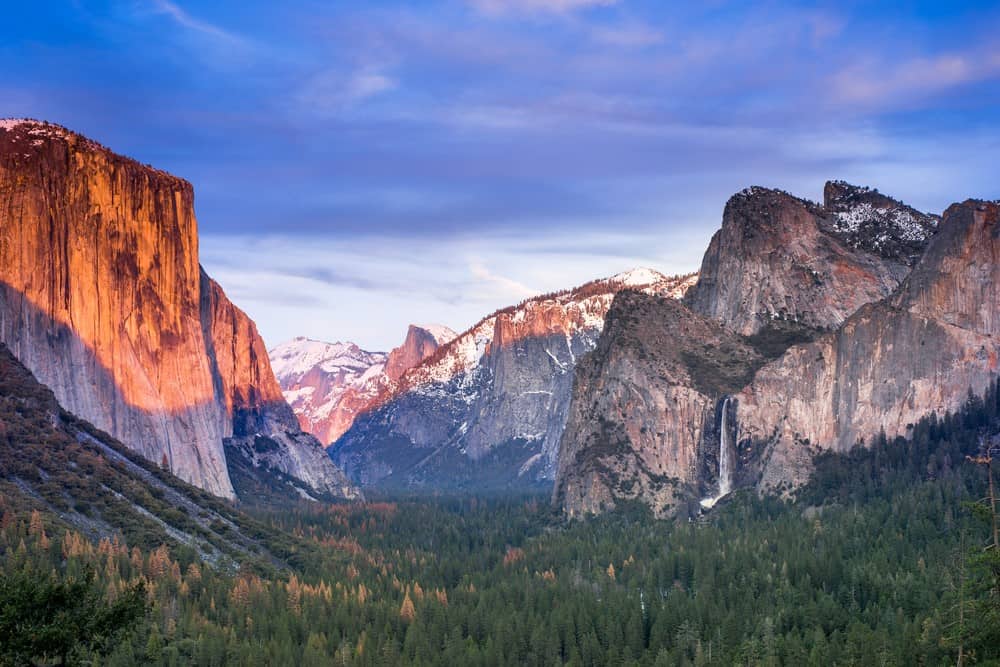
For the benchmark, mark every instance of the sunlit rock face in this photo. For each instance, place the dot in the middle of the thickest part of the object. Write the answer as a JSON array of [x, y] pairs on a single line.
[[862, 316], [420, 343], [104, 301], [920, 351], [487, 409]]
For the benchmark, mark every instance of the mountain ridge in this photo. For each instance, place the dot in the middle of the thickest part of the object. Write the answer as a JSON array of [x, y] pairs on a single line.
[[496, 393]]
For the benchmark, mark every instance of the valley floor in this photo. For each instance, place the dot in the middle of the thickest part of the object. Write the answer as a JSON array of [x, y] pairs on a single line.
[[878, 561]]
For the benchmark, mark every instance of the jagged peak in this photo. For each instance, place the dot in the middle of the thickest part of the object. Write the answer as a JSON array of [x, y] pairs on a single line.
[[298, 356], [864, 218], [858, 216], [837, 189], [839, 194], [759, 192]]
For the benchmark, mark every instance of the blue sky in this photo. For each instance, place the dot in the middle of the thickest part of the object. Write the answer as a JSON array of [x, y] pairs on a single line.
[[362, 165]]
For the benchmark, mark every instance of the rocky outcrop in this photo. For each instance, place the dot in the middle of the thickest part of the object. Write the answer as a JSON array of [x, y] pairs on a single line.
[[421, 342], [487, 410], [920, 351], [781, 263], [646, 407], [865, 219], [264, 429], [102, 298], [871, 318]]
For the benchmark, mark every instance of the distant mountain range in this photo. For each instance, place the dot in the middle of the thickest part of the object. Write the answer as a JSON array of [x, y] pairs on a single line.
[[481, 410], [330, 384], [809, 327]]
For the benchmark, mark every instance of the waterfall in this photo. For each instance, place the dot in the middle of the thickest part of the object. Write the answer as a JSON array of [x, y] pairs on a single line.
[[725, 453], [725, 459]]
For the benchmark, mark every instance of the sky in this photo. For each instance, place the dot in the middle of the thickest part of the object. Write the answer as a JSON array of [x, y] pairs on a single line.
[[362, 165]]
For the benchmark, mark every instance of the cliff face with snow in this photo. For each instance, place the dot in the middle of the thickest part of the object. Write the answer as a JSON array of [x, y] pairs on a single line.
[[329, 385], [487, 409], [102, 298], [827, 324], [783, 262]]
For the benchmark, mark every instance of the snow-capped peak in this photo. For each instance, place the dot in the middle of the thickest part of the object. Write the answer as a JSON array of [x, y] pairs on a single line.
[[441, 333], [37, 129], [295, 358], [638, 277]]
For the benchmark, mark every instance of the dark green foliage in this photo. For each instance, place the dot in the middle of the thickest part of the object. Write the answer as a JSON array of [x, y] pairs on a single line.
[[45, 620], [867, 566]]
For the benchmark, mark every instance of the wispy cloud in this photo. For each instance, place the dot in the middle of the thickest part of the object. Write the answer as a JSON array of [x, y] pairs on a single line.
[[186, 20], [335, 90], [480, 272], [880, 83], [628, 35], [507, 7]]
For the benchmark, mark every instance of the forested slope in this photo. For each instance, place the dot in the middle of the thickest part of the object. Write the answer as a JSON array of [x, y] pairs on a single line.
[[865, 567]]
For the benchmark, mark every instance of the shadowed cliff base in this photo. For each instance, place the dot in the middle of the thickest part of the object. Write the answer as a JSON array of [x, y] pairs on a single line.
[[65, 364], [55, 462]]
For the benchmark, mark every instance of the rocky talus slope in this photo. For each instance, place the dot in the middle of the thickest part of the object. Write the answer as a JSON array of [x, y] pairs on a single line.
[[85, 480], [487, 409], [103, 299]]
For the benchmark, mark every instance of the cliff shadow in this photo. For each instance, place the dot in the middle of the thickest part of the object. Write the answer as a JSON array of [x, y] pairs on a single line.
[[84, 386]]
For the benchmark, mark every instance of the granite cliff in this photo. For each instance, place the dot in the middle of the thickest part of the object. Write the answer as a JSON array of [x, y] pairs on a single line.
[[920, 351], [646, 403], [103, 299], [783, 264], [855, 317]]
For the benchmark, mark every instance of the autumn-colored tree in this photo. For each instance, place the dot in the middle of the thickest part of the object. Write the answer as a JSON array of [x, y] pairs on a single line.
[[406, 611], [293, 590]]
